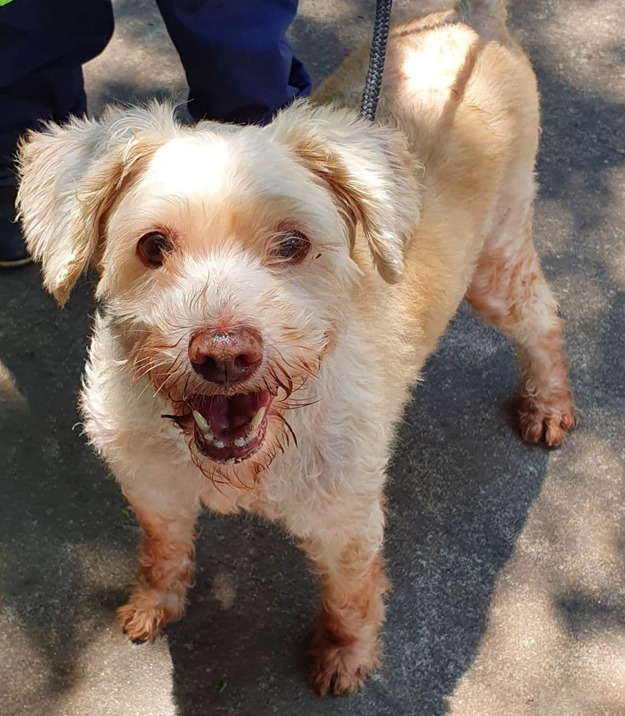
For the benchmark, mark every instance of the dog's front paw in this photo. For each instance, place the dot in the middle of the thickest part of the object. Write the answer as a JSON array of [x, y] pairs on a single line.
[[147, 611], [545, 422], [341, 665]]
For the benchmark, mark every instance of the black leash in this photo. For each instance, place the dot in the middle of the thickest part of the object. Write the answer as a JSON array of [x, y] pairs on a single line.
[[373, 82]]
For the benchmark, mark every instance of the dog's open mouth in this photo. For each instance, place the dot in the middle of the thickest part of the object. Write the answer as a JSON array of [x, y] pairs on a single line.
[[230, 429]]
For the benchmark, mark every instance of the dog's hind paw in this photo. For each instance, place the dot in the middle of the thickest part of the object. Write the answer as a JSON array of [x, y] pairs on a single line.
[[542, 422], [146, 612], [341, 669]]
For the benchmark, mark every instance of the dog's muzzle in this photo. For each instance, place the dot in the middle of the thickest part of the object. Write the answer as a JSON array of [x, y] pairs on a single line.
[[228, 428]]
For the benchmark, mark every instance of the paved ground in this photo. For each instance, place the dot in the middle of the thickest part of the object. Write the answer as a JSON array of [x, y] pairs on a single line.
[[507, 561]]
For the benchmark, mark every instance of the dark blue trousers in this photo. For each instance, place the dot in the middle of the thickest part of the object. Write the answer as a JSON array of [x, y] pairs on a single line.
[[238, 62]]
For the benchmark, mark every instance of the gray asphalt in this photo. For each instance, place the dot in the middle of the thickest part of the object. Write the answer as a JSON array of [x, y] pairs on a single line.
[[507, 561]]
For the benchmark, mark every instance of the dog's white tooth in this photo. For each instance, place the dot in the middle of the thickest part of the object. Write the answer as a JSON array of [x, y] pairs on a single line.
[[256, 420], [219, 444], [241, 442], [201, 421]]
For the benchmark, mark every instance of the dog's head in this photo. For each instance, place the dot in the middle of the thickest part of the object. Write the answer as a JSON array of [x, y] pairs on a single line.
[[227, 256]]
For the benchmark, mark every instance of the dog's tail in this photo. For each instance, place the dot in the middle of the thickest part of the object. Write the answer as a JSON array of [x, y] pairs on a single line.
[[484, 14]]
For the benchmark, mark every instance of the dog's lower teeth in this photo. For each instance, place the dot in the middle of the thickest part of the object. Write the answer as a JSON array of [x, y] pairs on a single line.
[[209, 437]]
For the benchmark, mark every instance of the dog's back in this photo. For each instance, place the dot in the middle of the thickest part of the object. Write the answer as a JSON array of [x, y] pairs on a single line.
[[460, 88], [460, 62]]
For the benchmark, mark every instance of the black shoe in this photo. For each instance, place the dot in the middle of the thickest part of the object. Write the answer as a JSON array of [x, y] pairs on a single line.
[[12, 249]]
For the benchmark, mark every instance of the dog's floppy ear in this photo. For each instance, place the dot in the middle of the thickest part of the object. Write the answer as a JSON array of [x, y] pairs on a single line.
[[70, 176], [369, 170]]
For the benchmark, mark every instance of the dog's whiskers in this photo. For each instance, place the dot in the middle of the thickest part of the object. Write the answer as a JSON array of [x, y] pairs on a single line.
[[287, 425]]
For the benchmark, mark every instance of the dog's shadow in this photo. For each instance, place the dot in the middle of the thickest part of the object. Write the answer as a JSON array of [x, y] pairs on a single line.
[[461, 484]]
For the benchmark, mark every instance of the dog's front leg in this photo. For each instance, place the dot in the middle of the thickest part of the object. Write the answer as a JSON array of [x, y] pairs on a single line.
[[166, 566], [344, 543]]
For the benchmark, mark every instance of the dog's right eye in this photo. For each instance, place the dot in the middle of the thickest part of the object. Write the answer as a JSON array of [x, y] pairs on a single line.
[[292, 248], [152, 249]]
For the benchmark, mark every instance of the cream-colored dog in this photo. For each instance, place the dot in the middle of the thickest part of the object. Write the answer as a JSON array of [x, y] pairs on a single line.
[[270, 294]]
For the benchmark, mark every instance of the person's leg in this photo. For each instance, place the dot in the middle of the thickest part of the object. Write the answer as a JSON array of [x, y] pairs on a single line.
[[42, 47], [239, 65]]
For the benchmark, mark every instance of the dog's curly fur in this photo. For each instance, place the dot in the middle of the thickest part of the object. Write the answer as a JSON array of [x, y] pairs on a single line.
[[403, 218]]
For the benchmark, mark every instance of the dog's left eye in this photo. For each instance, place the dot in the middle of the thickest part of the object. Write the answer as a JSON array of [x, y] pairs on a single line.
[[152, 249], [293, 247]]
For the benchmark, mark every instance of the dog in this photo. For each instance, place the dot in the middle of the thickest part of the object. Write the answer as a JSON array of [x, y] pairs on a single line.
[[269, 295]]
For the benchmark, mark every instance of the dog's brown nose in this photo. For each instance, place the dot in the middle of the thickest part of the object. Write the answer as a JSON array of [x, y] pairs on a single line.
[[228, 356]]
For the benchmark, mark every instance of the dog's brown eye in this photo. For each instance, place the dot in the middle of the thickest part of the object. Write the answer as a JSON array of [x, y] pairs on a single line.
[[152, 249], [293, 247]]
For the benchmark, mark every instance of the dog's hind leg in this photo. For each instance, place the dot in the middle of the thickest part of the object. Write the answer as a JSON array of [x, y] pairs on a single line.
[[345, 546], [509, 290], [166, 566]]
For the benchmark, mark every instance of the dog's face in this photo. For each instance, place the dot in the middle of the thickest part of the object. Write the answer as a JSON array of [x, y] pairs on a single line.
[[228, 257]]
